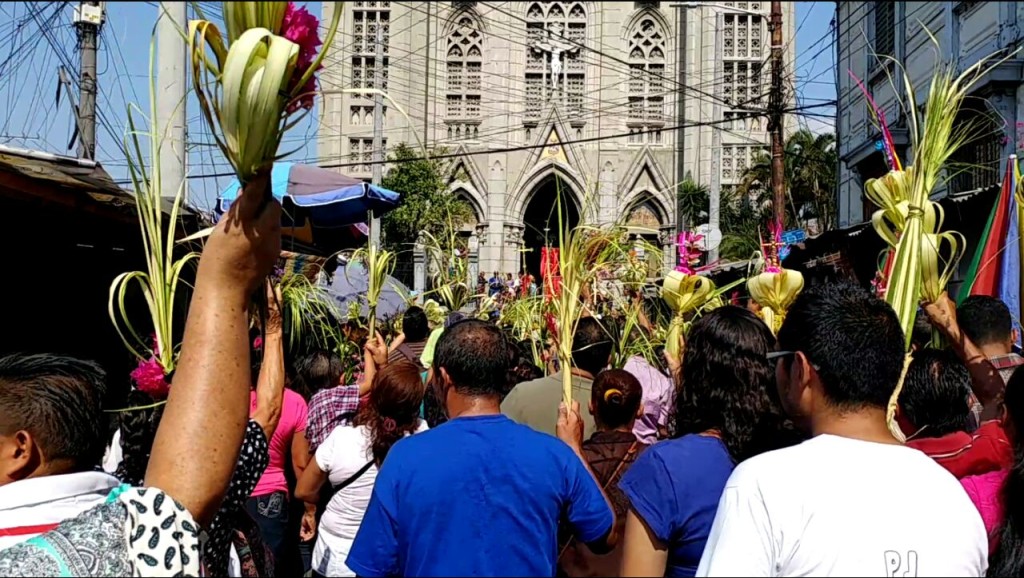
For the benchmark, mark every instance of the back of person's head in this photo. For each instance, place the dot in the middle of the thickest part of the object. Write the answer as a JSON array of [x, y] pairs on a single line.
[[358, 335], [51, 416], [727, 380], [851, 339], [615, 399], [922, 335], [591, 346], [394, 406], [473, 357], [317, 370], [936, 393], [523, 369], [1008, 558], [453, 318], [138, 430], [985, 320], [415, 325]]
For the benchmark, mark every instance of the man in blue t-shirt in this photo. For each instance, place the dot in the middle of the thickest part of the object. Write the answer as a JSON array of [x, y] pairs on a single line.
[[479, 495]]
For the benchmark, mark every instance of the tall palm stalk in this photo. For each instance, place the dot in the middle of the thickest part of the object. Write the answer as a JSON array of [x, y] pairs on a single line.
[[159, 281]]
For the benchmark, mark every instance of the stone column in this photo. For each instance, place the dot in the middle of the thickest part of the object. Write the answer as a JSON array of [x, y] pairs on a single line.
[[667, 242], [513, 242], [419, 267], [473, 260]]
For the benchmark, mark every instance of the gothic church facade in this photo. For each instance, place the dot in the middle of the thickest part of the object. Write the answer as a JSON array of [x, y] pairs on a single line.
[[537, 99]]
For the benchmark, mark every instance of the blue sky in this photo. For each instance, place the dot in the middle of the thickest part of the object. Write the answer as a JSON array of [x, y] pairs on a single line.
[[33, 119]]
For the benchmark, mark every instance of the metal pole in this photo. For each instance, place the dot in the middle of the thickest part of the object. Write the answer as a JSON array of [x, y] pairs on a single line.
[[88, 33], [170, 98], [775, 119], [715, 194], [681, 110], [426, 80], [378, 129]]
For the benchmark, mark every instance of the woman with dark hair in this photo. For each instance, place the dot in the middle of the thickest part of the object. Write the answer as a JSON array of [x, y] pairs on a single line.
[[350, 456], [615, 402], [138, 428], [999, 495], [724, 414]]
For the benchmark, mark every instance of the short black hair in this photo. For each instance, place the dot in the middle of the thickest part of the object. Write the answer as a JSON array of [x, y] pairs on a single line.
[[476, 356], [317, 370], [936, 393], [414, 325], [591, 346], [58, 400], [985, 320], [853, 339], [922, 334]]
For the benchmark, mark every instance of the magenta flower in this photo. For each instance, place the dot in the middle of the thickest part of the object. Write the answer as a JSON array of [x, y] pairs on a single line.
[[301, 27], [689, 252], [149, 378]]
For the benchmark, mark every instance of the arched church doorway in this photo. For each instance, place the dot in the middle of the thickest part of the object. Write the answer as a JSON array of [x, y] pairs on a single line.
[[541, 220]]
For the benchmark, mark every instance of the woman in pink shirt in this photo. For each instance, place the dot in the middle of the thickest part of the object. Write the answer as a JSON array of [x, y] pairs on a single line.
[[269, 502], [998, 494]]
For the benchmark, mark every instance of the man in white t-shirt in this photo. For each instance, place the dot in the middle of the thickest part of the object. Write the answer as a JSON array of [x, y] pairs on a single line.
[[851, 501]]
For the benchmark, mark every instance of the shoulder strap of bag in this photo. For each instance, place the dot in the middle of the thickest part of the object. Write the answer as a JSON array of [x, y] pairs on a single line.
[[348, 482], [409, 354], [622, 462]]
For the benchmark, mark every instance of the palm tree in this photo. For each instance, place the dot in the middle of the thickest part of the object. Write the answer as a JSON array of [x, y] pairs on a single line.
[[740, 219], [809, 174]]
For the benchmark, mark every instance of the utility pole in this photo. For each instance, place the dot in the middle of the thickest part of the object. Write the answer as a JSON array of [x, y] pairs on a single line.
[[775, 121], [378, 129], [170, 98], [715, 192], [88, 20]]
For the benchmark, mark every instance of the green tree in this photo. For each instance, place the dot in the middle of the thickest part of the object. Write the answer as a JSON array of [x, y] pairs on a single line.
[[809, 163], [740, 218], [425, 205]]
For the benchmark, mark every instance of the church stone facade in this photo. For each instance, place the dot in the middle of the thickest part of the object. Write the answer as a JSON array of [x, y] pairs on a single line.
[[537, 99]]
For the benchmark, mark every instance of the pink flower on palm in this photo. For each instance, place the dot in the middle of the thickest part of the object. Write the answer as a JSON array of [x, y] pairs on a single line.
[[149, 378], [301, 27]]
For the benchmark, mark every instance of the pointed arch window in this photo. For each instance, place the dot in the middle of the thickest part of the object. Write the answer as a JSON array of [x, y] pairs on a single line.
[[555, 69], [646, 80], [464, 66]]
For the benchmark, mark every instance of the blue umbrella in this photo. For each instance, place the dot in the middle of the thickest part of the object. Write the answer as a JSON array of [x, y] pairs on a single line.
[[326, 198], [350, 284]]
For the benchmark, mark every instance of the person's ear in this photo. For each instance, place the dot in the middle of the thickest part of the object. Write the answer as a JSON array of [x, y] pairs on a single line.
[[640, 411], [801, 369], [19, 456], [1014, 336], [592, 407]]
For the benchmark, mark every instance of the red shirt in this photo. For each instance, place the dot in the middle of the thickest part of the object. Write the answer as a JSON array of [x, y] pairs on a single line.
[[969, 454]]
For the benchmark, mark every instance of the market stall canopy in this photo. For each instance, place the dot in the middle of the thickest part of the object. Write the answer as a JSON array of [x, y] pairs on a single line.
[[326, 209], [350, 284]]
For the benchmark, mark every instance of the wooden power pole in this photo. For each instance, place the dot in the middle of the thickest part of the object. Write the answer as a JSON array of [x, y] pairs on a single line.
[[775, 120]]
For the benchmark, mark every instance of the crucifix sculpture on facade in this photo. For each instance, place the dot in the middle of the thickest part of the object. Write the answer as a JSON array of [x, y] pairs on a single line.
[[556, 46]]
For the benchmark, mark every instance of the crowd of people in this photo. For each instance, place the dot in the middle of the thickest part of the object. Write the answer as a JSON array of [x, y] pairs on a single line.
[[453, 455]]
